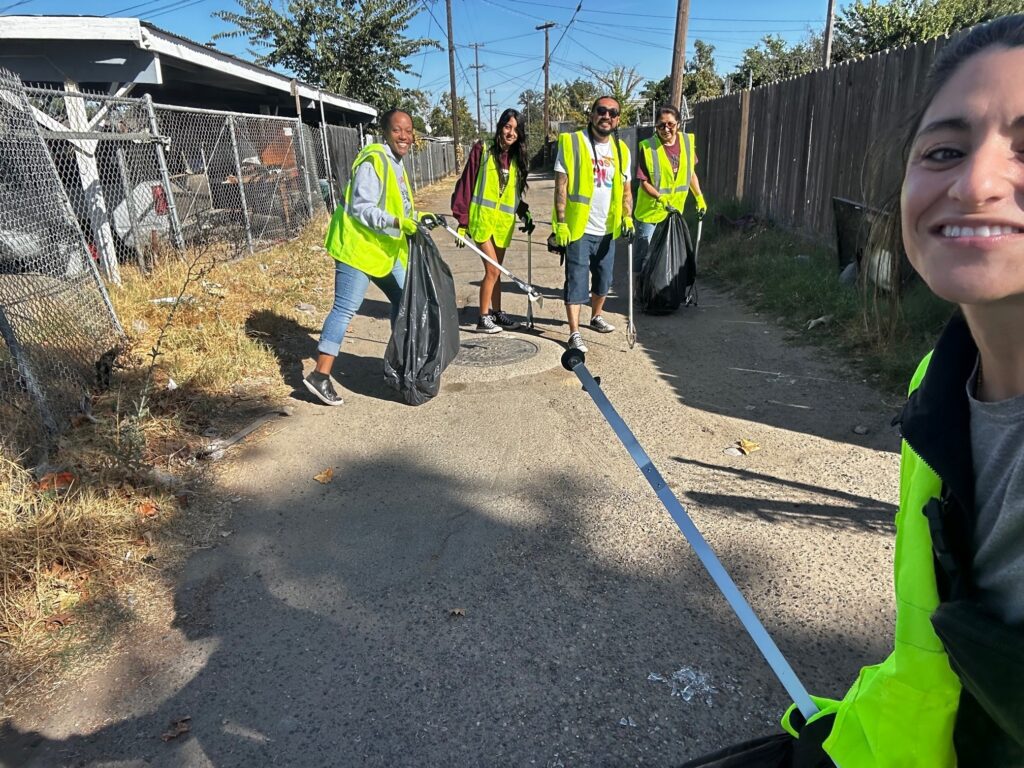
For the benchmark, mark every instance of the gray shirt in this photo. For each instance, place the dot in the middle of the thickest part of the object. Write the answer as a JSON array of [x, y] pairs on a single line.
[[997, 442], [366, 188]]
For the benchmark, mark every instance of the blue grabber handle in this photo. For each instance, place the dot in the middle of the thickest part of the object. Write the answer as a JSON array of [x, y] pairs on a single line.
[[575, 361]]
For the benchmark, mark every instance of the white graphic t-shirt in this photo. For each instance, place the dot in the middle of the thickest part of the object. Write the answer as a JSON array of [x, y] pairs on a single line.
[[601, 200]]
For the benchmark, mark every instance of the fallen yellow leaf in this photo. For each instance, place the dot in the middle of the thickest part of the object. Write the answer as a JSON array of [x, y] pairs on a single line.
[[325, 477], [747, 446]]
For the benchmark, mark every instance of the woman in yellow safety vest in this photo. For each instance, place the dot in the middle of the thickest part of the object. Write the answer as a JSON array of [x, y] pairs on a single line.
[[368, 239], [487, 198], [666, 172], [951, 694]]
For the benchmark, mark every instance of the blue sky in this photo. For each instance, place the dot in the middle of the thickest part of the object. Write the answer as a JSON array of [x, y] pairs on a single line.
[[602, 34]]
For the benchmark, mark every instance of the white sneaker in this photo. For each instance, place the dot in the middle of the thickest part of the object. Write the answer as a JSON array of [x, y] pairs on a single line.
[[601, 325], [576, 342]]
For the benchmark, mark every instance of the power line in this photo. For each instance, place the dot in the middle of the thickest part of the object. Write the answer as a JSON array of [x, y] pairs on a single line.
[[172, 8]]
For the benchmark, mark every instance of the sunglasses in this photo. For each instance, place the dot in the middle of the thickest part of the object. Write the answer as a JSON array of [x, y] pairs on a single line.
[[601, 111], [669, 126]]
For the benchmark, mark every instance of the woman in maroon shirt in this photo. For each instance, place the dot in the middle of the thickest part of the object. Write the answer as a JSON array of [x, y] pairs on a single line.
[[507, 147]]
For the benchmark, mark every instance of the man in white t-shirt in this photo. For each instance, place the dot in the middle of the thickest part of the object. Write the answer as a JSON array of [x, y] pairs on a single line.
[[593, 206]]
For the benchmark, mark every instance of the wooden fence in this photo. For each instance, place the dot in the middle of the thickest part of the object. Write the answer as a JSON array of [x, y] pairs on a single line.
[[788, 148]]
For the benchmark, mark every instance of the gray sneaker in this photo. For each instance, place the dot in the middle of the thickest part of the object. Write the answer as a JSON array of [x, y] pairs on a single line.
[[601, 325], [576, 342], [486, 324]]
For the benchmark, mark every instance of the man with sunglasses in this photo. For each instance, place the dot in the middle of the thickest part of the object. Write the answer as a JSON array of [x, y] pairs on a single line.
[[665, 170], [593, 206]]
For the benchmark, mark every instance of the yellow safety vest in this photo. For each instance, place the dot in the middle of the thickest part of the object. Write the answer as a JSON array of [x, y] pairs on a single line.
[[579, 164], [352, 242], [492, 213], [672, 188]]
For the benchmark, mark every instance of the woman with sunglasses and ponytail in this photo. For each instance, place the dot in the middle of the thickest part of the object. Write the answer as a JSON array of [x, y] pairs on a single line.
[[665, 170], [487, 198]]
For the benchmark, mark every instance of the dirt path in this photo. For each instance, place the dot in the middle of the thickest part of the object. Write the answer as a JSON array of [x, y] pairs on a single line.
[[488, 580]]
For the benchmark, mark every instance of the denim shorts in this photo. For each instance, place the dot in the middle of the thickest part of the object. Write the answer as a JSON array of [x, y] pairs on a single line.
[[591, 255]]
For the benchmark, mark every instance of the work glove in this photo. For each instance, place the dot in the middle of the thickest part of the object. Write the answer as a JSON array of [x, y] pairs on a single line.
[[407, 225], [702, 207], [562, 234], [463, 232], [528, 225], [628, 230]]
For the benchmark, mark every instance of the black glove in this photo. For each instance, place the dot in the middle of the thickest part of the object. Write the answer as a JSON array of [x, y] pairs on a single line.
[[528, 225]]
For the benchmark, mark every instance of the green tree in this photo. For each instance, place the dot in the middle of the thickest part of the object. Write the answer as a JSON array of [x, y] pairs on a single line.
[[440, 119], [581, 95], [417, 104], [700, 80], [354, 47], [621, 84], [772, 59], [862, 28]]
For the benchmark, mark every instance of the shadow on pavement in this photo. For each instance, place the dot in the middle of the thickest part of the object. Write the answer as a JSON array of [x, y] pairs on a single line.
[[388, 619]]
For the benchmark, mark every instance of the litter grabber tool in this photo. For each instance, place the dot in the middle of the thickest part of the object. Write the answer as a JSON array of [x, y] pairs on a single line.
[[528, 229], [630, 325], [691, 294], [575, 361], [431, 220]]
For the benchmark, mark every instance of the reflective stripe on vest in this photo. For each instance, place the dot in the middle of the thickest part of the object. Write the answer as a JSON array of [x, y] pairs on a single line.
[[577, 172], [681, 181], [479, 198]]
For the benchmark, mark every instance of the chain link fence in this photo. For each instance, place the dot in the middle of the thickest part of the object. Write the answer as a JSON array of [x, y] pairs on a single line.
[[59, 332]]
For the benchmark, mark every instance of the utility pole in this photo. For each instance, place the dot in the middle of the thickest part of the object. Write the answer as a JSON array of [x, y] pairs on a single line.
[[547, 63], [679, 52], [451, 75], [490, 105], [477, 66], [828, 33]]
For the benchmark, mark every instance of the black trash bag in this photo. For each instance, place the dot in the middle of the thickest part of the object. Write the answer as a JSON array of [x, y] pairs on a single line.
[[670, 268], [425, 338]]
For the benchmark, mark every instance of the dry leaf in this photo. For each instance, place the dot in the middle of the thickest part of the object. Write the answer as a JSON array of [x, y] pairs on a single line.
[[747, 446], [456, 611], [325, 477], [178, 727], [147, 509], [59, 621], [56, 481]]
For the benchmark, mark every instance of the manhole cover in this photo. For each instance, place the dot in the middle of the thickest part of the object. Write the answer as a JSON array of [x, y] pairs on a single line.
[[490, 352]]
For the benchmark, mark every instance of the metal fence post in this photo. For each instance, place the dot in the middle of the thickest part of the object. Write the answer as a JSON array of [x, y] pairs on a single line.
[[165, 178], [327, 154], [129, 201], [305, 165], [241, 186]]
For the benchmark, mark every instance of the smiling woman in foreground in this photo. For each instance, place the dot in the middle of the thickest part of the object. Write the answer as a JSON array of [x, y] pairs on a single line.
[[952, 692]]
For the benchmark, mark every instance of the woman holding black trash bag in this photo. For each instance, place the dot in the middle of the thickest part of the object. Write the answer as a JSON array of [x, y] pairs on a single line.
[[952, 692], [667, 175], [487, 199], [368, 239]]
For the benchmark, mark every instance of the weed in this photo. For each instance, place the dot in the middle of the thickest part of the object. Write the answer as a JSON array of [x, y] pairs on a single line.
[[796, 280]]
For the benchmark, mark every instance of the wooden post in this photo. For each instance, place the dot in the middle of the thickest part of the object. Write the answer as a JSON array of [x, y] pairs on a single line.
[[741, 165]]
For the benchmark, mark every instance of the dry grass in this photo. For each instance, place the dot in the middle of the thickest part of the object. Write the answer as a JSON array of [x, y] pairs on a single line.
[[79, 562], [79, 543]]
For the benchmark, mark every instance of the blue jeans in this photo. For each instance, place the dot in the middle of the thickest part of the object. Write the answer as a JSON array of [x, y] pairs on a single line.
[[644, 233], [591, 255], [350, 286]]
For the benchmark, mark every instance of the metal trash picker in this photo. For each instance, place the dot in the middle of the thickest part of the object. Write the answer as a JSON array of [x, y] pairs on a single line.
[[575, 361], [431, 220]]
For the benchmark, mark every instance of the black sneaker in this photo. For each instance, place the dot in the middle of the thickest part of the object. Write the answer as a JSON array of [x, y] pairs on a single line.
[[486, 324], [576, 341], [601, 325], [323, 390], [505, 320]]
